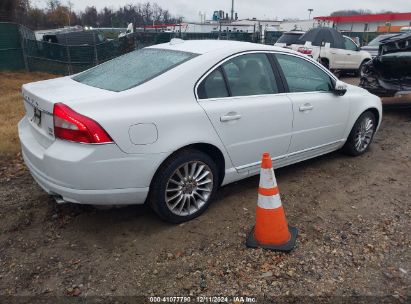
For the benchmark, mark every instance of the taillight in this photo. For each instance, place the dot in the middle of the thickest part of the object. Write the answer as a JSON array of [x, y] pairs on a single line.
[[305, 50], [72, 126]]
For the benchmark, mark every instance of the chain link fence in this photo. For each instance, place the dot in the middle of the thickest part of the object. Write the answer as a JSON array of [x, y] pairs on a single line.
[[19, 49]]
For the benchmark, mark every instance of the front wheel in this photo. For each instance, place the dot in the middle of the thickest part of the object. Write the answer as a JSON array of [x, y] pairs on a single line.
[[184, 186], [359, 72], [361, 135]]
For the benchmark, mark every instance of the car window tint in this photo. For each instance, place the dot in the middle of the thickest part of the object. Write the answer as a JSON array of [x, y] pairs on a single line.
[[250, 74], [303, 76], [289, 38], [132, 69], [349, 45], [213, 86]]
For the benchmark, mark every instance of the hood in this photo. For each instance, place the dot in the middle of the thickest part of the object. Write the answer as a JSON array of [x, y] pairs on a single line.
[[398, 43], [368, 47], [372, 50]]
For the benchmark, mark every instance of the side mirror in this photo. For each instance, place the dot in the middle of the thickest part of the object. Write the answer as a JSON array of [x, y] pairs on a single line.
[[340, 88]]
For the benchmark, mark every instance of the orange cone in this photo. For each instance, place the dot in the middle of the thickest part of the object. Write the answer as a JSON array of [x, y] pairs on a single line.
[[271, 230]]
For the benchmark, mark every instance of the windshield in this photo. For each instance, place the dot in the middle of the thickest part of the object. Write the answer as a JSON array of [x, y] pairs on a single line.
[[289, 38], [132, 69], [377, 41]]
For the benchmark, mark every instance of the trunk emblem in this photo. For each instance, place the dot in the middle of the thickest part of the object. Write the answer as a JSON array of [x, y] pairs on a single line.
[[36, 116]]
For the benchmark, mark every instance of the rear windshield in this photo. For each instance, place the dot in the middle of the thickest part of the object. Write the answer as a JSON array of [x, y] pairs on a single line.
[[289, 38], [132, 69]]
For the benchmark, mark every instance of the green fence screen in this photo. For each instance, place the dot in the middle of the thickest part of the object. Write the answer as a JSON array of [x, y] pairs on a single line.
[[20, 50], [11, 54]]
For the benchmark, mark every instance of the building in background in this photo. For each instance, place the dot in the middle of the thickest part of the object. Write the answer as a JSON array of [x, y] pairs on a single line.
[[368, 23], [298, 25]]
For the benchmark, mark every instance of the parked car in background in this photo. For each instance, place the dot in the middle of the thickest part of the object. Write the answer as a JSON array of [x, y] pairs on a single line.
[[171, 123], [373, 46], [332, 49], [90, 37], [389, 73], [289, 38]]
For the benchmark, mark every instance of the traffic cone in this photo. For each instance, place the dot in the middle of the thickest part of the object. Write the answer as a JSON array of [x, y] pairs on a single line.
[[271, 230]]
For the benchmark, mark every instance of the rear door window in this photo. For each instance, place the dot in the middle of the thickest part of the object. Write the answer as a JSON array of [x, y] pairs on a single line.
[[132, 69], [290, 39], [213, 86], [250, 74]]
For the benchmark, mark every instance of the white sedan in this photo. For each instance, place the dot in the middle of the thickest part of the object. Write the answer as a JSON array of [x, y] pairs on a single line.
[[171, 123]]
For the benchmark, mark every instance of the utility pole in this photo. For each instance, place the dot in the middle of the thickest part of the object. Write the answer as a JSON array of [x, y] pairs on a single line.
[[70, 6], [310, 10], [232, 10]]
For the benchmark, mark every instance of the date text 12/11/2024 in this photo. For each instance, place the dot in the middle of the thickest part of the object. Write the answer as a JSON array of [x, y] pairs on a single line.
[[203, 299]]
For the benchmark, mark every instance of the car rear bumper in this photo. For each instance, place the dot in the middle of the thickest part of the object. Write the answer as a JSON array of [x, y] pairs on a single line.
[[126, 196], [88, 174]]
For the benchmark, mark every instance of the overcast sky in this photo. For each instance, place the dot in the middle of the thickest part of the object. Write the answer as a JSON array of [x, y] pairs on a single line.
[[269, 9]]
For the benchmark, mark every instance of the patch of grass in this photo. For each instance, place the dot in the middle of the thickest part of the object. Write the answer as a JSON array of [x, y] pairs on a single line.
[[12, 108]]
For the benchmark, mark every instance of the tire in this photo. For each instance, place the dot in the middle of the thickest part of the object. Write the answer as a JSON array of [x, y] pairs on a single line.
[[361, 135], [358, 72], [190, 197], [325, 63]]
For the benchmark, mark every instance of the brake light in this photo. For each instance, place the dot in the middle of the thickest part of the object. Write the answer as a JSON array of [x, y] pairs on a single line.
[[72, 126], [304, 50]]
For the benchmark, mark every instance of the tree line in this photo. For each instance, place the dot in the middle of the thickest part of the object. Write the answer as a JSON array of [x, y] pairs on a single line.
[[358, 12], [58, 14]]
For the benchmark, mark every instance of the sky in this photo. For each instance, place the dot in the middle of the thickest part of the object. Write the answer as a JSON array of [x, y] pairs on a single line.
[[262, 9]]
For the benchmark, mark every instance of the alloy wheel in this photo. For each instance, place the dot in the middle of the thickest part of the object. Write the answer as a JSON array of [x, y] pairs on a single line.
[[364, 134], [189, 188]]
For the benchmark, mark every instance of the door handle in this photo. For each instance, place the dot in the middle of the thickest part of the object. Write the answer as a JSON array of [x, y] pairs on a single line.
[[230, 117], [306, 107]]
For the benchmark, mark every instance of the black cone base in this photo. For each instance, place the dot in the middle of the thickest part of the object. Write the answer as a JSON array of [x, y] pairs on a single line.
[[287, 247]]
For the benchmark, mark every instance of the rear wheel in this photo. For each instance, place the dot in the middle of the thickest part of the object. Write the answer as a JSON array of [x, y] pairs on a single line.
[[361, 134], [184, 186]]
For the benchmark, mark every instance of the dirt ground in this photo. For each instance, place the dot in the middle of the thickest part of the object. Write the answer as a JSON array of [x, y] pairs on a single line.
[[353, 217]]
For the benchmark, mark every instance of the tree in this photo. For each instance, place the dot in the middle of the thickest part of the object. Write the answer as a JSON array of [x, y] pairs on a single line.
[[7, 10], [89, 17], [53, 4], [147, 13], [351, 12], [36, 18], [58, 14], [157, 13]]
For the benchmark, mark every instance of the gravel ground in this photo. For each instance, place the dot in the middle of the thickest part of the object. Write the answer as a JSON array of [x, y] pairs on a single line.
[[353, 216]]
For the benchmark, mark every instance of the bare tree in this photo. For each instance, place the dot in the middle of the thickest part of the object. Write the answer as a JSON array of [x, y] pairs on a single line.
[[56, 14]]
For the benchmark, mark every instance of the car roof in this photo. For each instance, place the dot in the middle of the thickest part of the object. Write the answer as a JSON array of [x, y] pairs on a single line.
[[294, 33], [207, 46]]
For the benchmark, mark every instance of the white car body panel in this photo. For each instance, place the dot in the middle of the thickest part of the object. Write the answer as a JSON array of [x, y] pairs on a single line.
[[168, 107], [339, 59], [322, 124], [264, 121]]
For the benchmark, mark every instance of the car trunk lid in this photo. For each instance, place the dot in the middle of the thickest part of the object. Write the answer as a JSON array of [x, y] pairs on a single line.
[[40, 97]]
